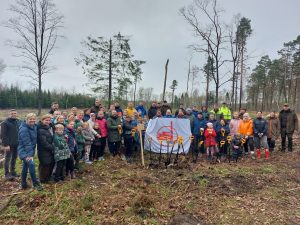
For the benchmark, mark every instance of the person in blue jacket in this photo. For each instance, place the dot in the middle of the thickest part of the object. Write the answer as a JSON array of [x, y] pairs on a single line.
[[141, 108], [198, 127], [222, 129], [26, 150], [168, 114]]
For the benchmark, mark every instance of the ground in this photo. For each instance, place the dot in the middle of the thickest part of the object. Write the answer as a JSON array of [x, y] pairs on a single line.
[[114, 192]]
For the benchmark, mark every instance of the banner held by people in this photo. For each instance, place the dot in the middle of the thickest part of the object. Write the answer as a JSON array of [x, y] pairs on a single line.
[[168, 130]]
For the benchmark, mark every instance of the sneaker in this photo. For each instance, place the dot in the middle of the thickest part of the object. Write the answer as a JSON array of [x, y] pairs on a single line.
[[9, 177], [38, 187], [252, 157], [123, 157], [88, 162], [101, 158]]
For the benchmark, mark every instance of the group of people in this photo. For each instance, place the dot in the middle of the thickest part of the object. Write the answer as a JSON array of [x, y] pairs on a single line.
[[63, 138]]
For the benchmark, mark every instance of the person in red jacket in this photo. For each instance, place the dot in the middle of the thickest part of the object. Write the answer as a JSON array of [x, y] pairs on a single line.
[[210, 142]]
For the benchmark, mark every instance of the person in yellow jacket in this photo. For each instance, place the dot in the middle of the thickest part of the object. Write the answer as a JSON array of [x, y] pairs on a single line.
[[225, 111], [130, 109], [246, 130]]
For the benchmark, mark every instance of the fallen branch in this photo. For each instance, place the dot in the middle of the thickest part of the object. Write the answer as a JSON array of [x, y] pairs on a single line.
[[294, 189]]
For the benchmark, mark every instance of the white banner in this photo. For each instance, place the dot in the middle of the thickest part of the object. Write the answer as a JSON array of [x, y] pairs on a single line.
[[168, 129]]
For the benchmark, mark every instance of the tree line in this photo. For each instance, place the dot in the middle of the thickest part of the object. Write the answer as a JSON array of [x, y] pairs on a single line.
[[13, 97], [274, 81]]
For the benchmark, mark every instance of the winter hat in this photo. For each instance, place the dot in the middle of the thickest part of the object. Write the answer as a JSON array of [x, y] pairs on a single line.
[[210, 125]]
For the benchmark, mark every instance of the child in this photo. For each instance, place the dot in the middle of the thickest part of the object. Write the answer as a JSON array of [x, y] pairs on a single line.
[[222, 130], [103, 128], [70, 135], [89, 138], [236, 146], [128, 138], [80, 143], [210, 141], [61, 152], [95, 148]]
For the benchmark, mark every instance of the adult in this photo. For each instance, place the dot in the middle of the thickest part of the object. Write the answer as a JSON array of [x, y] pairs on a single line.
[[54, 107], [114, 126], [26, 151], [242, 112], [130, 109], [180, 114], [225, 111], [158, 114], [189, 115], [86, 114], [234, 124], [181, 107], [45, 148], [96, 107], [204, 112], [216, 112], [141, 109], [168, 114], [246, 130], [165, 106], [212, 119], [288, 125], [152, 110], [118, 109], [195, 111], [9, 136], [74, 111], [260, 127], [273, 130]]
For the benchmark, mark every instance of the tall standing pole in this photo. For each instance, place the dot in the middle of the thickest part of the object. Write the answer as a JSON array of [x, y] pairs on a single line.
[[166, 73], [110, 73]]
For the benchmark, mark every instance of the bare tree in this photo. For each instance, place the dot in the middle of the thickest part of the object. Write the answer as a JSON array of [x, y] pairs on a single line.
[[36, 22], [212, 34]]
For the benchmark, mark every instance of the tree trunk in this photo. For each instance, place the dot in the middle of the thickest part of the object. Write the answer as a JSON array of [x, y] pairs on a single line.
[[165, 83], [134, 92], [110, 73], [241, 81], [206, 90], [40, 91]]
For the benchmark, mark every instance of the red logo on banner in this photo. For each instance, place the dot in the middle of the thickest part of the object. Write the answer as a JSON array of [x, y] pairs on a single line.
[[167, 133]]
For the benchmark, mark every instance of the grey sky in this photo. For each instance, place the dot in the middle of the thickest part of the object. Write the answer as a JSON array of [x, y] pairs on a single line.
[[157, 32]]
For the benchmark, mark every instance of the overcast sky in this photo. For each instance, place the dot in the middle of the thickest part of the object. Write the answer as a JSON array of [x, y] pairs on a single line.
[[157, 32]]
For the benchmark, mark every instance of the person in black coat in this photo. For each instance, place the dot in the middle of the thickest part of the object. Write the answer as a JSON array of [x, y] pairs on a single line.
[[9, 136], [152, 110], [45, 149]]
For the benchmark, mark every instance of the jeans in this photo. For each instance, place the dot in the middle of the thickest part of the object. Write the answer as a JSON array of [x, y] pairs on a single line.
[[10, 160], [28, 165]]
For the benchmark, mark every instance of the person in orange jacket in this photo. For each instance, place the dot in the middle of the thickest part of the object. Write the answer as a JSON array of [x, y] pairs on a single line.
[[246, 130]]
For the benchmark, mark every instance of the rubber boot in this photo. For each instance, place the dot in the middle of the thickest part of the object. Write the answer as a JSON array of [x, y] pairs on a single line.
[[258, 153], [267, 153]]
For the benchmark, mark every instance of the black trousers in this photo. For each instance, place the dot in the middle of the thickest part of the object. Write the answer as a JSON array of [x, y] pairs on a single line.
[[128, 142], [249, 143], [289, 136], [102, 147], [45, 172], [271, 143], [70, 164], [10, 160], [59, 171]]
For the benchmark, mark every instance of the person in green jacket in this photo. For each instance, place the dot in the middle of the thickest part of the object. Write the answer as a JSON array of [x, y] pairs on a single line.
[[225, 111], [80, 145], [115, 131], [61, 152], [216, 111]]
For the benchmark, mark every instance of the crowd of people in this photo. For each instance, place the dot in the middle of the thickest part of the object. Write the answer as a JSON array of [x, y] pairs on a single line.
[[64, 140]]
